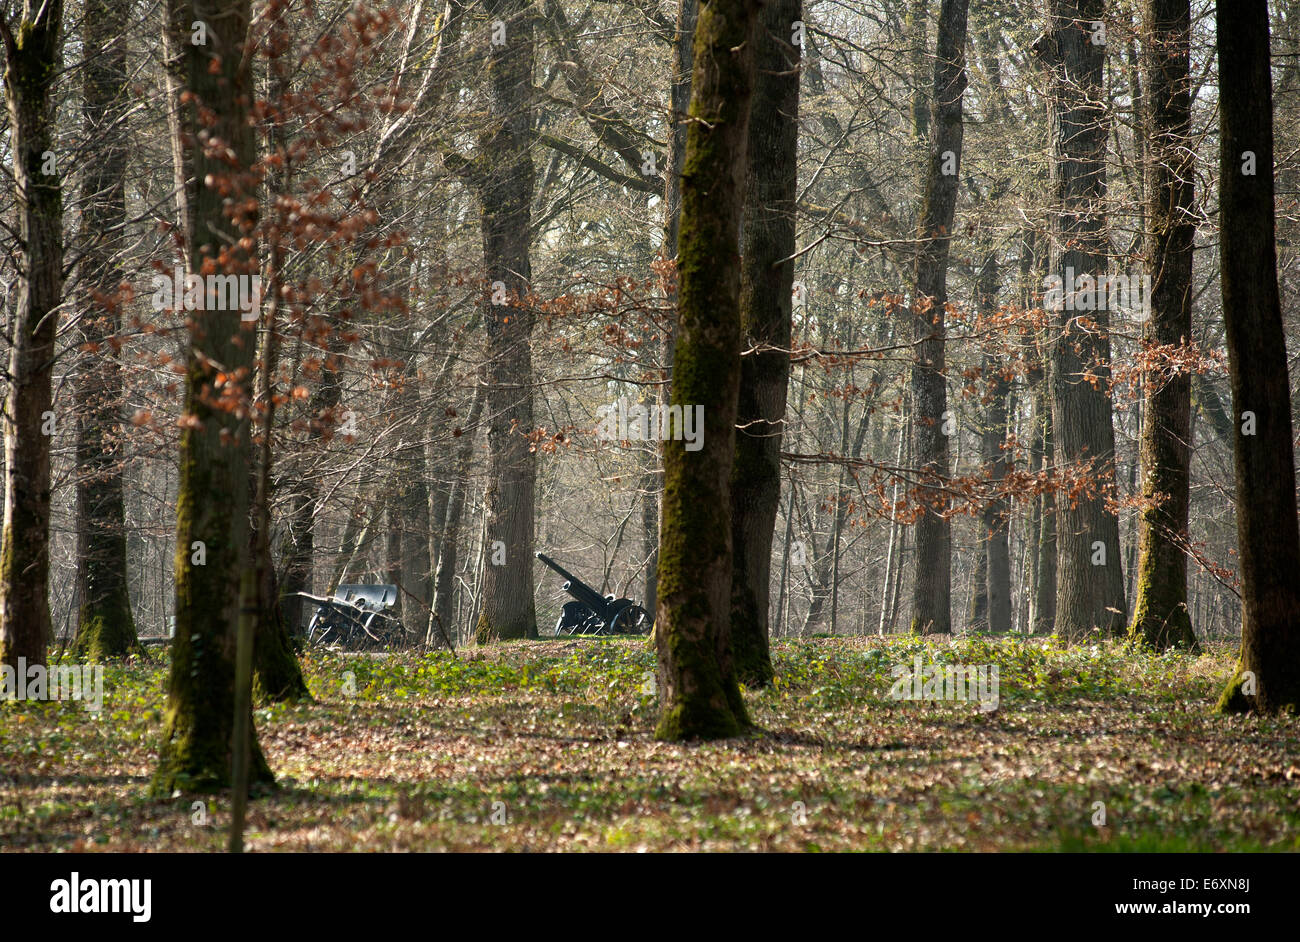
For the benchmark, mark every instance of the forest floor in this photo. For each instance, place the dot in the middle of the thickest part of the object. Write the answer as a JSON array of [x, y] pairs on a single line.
[[548, 745]]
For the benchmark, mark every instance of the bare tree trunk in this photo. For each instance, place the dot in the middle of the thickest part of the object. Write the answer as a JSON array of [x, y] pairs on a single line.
[[977, 619], [766, 284], [1267, 678], [31, 68], [505, 172], [1090, 578], [178, 20], [277, 674], [415, 573], [1044, 620], [892, 558], [105, 623], [995, 517], [445, 579], [297, 552], [298, 549], [932, 582], [1160, 616], [213, 502]]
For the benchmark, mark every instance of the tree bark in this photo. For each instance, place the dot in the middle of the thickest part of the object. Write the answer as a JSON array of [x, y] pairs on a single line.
[[105, 624], [1267, 678], [766, 285], [932, 584], [1090, 580], [448, 559], [31, 67], [700, 694], [213, 500], [415, 571], [1160, 614], [1044, 620], [298, 548], [679, 105], [277, 674], [995, 517], [505, 171]]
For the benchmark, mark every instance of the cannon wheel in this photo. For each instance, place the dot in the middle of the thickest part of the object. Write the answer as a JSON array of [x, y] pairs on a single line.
[[323, 628], [630, 620]]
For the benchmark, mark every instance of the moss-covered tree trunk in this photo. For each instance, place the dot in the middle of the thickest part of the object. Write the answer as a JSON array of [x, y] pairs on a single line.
[[1089, 574], [32, 53], [679, 104], [701, 698], [213, 500], [766, 284], [1267, 679], [932, 579], [105, 625], [505, 174], [1160, 614]]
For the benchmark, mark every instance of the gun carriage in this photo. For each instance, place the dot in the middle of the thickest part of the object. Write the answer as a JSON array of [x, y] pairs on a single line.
[[357, 616], [591, 613]]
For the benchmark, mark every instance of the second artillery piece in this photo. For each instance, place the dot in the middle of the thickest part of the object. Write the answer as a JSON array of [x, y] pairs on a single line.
[[594, 614]]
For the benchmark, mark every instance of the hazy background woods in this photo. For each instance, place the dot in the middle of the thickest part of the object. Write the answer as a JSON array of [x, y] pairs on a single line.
[[381, 449]]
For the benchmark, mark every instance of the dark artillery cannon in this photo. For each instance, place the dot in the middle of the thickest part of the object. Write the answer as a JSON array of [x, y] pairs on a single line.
[[594, 614], [358, 616]]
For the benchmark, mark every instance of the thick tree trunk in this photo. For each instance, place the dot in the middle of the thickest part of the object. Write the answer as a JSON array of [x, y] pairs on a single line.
[[932, 582], [213, 500], [766, 283], [505, 193], [679, 105], [1267, 679], [701, 698], [1090, 578], [1160, 616], [31, 68], [105, 625]]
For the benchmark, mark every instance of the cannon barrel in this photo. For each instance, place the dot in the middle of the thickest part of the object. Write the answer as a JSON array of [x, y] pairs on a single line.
[[557, 567], [579, 589]]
